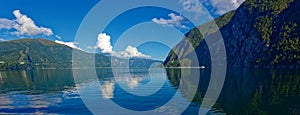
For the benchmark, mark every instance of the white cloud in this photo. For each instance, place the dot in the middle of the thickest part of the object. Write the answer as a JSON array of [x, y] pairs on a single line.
[[223, 6], [92, 47], [218, 6], [175, 21], [129, 52], [24, 26], [104, 43], [58, 37], [193, 6], [6, 23], [70, 44], [1, 40]]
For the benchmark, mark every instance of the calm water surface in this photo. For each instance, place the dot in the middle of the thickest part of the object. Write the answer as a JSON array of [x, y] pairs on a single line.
[[245, 91]]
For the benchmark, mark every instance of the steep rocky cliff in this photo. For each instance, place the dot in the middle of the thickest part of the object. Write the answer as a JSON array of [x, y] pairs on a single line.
[[193, 39], [260, 34]]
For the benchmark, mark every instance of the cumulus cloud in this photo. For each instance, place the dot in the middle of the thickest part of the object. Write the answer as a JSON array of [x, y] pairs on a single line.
[[129, 52], [26, 26], [6, 23], [223, 6], [175, 21], [23, 25], [104, 44], [70, 44]]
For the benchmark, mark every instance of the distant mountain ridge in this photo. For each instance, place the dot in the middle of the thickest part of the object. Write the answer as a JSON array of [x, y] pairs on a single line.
[[45, 54], [261, 33]]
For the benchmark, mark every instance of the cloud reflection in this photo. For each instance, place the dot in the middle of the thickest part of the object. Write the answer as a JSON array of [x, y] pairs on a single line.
[[2, 77], [131, 82], [39, 101], [108, 89], [5, 102]]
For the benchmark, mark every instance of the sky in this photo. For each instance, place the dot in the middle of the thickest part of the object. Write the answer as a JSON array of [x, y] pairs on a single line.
[[148, 31]]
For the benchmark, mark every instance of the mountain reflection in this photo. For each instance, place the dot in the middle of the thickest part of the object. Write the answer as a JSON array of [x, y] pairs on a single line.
[[35, 81], [247, 91], [37, 91]]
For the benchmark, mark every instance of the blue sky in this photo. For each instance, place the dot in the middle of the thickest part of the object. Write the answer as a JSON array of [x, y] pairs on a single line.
[[60, 19], [62, 16]]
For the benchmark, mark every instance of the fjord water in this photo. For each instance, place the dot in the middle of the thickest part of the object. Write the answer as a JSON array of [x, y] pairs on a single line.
[[245, 91]]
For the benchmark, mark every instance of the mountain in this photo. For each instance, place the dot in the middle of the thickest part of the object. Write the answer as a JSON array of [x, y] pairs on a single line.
[[192, 40], [41, 53], [258, 34]]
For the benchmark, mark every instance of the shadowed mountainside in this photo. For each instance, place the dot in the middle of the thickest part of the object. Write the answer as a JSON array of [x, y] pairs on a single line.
[[259, 34]]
